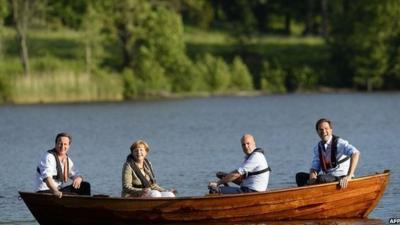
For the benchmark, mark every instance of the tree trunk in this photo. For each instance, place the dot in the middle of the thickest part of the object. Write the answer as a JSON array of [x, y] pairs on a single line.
[[88, 54], [370, 84], [324, 12], [1, 39], [21, 15], [309, 18], [346, 6], [287, 23]]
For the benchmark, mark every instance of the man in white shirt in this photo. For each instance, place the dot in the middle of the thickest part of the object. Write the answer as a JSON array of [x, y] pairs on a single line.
[[252, 175], [55, 168], [334, 156]]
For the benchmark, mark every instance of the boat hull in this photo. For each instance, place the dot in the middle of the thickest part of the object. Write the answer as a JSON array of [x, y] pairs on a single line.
[[325, 201]]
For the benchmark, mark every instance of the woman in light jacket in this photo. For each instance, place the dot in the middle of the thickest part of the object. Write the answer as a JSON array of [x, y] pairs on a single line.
[[138, 176]]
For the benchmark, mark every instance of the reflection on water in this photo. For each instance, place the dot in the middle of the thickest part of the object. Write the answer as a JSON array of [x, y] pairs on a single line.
[[191, 139], [322, 222], [19, 222], [307, 222], [300, 222]]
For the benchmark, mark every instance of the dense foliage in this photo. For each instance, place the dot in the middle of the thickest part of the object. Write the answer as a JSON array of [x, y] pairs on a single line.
[[153, 48], [364, 42]]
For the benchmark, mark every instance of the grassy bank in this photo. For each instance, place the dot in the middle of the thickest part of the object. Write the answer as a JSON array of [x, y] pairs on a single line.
[[65, 87], [58, 69]]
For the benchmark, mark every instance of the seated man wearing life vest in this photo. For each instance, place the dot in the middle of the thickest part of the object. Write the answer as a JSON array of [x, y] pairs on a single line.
[[252, 175], [333, 155], [55, 168]]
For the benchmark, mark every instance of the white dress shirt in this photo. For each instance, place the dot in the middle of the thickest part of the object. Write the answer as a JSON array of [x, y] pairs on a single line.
[[48, 168], [344, 149], [255, 162]]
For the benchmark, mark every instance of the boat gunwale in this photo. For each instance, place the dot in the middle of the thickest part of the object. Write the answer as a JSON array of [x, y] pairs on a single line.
[[216, 196]]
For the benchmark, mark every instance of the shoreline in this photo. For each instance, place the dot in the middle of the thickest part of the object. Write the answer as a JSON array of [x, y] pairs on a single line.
[[174, 96]]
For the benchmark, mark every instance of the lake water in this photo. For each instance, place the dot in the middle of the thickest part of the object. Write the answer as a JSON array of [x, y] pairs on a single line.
[[191, 139]]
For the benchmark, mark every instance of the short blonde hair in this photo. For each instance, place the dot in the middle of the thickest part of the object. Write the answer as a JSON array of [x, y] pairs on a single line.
[[136, 144]]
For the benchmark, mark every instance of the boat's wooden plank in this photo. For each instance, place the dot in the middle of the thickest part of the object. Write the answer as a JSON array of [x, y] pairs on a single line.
[[254, 209], [279, 205], [312, 202]]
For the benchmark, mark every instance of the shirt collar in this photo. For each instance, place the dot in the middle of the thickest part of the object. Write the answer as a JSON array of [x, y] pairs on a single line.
[[329, 141]]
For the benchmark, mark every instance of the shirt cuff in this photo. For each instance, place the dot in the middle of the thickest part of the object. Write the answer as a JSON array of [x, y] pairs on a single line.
[[241, 171]]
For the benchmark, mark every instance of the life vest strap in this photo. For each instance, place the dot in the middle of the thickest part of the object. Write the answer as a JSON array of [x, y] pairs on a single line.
[[268, 169], [145, 183], [343, 160], [58, 166]]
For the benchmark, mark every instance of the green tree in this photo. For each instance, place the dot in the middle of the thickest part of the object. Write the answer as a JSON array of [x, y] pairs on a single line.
[[3, 13], [91, 26], [302, 79], [22, 12], [67, 13], [187, 78], [392, 78], [215, 72], [238, 16], [272, 79], [197, 13], [151, 31], [152, 74], [124, 24], [164, 41], [245, 18], [360, 40], [241, 77], [5, 89]]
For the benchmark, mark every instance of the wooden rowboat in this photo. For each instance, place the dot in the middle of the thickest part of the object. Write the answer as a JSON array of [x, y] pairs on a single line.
[[324, 201]]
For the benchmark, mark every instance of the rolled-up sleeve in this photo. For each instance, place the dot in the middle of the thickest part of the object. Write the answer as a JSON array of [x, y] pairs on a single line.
[[346, 148], [47, 167]]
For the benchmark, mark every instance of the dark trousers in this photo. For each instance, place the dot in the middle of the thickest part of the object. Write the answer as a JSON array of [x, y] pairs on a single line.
[[302, 179], [84, 189], [247, 190]]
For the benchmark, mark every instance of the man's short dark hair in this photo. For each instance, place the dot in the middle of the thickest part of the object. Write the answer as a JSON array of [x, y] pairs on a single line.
[[322, 120], [63, 134]]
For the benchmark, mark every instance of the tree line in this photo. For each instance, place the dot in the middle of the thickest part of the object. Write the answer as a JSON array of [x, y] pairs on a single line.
[[144, 42]]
